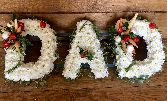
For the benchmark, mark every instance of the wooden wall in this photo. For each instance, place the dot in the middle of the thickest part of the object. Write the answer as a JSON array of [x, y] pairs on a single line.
[[63, 15]]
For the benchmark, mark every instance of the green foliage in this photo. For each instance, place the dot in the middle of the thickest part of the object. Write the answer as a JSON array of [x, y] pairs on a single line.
[[125, 25], [14, 16], [1, 31], [139, 18], [140, 79], [24, 43], [11, 29], [87, 54], [40, 83], [90, 56], [96, 29], [132, 35], [12, 69], [24, 82], [113, 33], [57, 55], [127, 18], [81, 50], [129, 67], [82, 26]]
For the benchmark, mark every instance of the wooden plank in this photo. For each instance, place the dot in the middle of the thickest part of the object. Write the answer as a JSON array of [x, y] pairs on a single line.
[[84, 88], [70, 6], [67, 22]]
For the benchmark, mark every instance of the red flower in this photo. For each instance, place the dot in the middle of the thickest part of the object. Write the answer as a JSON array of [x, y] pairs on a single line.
[[126, 38], [42, 24], [21, 24], [6, 44], [82, 55], [12, 36], [152, 25], [136, 39], [120, 30]]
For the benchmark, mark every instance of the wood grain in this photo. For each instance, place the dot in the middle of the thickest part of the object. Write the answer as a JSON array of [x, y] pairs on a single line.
[[85, 88], [62, 15], [67, 22], [73, 6]]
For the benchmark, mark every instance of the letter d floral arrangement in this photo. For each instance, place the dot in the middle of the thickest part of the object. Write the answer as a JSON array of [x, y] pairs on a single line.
[[126, 34], [15, 44]]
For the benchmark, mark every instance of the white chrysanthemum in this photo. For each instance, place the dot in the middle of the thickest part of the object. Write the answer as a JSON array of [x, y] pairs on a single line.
[[117, 39], [85, 38], [155, 55], [44, 65]]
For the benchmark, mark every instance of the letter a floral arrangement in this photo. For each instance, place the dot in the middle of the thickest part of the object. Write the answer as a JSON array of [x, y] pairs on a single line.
[[85, 49]]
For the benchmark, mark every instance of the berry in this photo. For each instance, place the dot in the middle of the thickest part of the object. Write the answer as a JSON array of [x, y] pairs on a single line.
[[136, 39], [12, 36], [120, 30], [6, 44], [21, 24], [42, 24], [126, 38], [82, 55], [152, 25]]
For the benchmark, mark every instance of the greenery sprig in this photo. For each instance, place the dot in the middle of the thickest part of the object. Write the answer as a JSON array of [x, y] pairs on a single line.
[[12, 69], [129, 67]]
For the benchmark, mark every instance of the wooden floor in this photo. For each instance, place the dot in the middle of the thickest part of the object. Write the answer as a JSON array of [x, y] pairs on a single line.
[[62, 15]]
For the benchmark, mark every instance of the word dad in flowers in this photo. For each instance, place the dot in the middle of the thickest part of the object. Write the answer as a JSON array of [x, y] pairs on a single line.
[[85, 48], [15, 44]]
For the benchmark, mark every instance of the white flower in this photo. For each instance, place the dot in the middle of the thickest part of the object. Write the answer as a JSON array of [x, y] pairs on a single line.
[[44, 65], [130, 48], [155, 59], [86, 39], [9, 25], [117, 39], [5, 35]]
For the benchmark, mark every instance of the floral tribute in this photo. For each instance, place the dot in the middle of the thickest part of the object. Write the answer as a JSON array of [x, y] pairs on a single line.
[[15, 42], [126, 38], [85, 48]]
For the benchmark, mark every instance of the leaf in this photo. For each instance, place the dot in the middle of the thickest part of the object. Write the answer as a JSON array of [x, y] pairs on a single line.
[[1, 31], [40, 82], [14, 16], [139, 18], [112, 31], [12, 69], [129, 67], [140, 79], [127, 18], [11, 29], [126, 24], [96, 29], [132, 35], [82, 26], [90, 56], [72, 34], [24, 82], [122, 36], [81, 50], [57, 55]]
